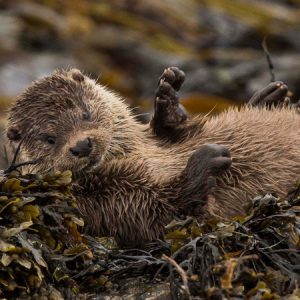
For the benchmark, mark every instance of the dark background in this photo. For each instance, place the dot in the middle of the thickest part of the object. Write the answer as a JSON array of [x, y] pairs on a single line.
[[128, 43]]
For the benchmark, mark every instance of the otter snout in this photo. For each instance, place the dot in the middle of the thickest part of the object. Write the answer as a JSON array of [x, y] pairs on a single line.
[[82, 148]]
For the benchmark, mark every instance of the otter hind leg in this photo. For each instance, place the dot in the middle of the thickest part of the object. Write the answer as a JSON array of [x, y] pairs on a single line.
[[273, 94], [200, 174], [168, 112]]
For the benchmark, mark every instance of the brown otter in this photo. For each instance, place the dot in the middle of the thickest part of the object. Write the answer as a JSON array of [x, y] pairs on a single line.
[[128, 184]]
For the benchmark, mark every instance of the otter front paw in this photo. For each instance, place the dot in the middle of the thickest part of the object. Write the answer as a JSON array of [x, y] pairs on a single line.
[[273, 94], [168, 113], [200, 174]]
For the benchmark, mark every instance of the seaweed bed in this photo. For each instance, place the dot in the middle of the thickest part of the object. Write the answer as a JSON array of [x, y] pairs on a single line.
[[46, 255]]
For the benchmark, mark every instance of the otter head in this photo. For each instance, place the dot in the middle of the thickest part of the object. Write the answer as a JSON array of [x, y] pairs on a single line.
[[67, 121]]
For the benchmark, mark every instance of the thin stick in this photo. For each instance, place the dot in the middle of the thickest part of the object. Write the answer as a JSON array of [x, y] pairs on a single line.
[[269, 60], [13, 162], [13, 167], [180, 271]]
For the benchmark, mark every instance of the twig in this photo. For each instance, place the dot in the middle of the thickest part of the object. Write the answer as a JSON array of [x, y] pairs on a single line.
[[246, 257], [14, 166], [285, 250], [13, 162], [180, 271], [269, 60], [272, 246]]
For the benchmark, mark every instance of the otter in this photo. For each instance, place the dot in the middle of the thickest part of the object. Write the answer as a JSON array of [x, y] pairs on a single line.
[[131, 180]]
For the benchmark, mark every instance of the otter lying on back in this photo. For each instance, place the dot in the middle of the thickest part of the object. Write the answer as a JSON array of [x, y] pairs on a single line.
[[128, 183]]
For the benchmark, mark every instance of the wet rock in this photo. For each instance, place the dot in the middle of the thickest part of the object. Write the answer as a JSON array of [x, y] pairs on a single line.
[[137, 289], [126, 51], [42, 27], [243, 78], [10, 28], [16, 75], [225, 31]]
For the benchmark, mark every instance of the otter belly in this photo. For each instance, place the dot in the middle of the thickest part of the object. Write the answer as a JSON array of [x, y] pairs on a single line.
[[264, 146]]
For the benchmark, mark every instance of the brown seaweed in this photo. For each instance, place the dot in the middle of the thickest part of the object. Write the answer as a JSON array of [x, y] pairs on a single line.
[[45, 252]]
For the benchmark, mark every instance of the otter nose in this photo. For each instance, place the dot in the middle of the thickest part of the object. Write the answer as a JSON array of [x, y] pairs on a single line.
[[82, 148]]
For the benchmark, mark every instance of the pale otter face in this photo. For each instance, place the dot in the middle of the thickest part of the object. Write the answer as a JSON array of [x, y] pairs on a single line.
[[65, 121]]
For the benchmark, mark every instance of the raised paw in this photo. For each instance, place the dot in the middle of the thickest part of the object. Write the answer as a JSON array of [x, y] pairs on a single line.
[[174, 76], [199, 177], [276, 93], [168, 113]]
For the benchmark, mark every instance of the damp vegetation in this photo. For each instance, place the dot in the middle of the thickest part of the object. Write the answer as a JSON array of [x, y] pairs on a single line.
[[44, 253]]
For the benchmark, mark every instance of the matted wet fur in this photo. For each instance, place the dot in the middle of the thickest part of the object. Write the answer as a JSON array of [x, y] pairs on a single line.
[[128, 183]]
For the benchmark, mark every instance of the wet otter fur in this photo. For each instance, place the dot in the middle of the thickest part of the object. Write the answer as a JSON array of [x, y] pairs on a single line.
[[127, 181]]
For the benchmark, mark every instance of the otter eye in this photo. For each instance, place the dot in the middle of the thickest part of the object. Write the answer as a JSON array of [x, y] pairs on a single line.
[[51, 140], [86, 116]]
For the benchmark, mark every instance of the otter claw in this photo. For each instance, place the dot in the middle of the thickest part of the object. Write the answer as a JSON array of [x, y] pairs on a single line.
[[273, 94], [174, 76], [168, 113]]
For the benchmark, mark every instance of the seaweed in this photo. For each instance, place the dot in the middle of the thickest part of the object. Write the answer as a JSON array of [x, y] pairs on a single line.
[[45, 252], [256, 256]]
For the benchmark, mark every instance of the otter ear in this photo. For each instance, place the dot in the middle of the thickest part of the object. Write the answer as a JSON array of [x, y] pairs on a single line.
[[77, 75], [13, 133]]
